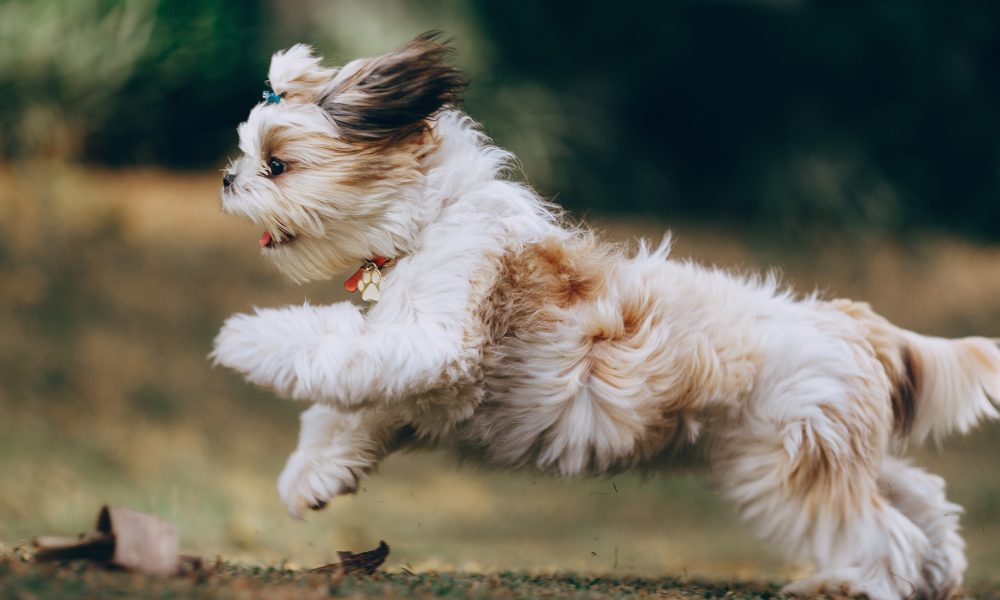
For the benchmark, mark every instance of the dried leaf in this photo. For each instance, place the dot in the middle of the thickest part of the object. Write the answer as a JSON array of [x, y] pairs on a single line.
[[124, 538], [365, 562], [143, 543], [88, 546]]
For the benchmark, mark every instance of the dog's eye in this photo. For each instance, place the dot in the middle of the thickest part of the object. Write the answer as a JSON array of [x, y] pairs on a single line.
[[276, 166]]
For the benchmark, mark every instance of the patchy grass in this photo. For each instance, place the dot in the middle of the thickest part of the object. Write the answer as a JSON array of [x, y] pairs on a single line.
[[228, 580], [222, 580], [114, 284]]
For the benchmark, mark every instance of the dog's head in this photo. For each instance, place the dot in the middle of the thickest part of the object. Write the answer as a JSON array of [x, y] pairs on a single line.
[[332, 158]]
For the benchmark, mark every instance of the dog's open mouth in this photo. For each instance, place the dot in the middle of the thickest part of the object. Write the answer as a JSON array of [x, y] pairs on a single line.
[[282, 238]]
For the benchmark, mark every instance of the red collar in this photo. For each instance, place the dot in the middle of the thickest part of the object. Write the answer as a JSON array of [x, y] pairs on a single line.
[[351, 285]]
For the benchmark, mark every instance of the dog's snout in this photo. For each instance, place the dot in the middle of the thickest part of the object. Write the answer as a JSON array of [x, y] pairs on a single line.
[[228, 179]]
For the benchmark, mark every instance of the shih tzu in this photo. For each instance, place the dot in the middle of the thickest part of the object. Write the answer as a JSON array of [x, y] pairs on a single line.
[[507, 336]]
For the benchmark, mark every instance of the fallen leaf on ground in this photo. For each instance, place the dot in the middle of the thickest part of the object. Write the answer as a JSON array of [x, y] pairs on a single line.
[[142, 543], [365, 562], [124, 538]]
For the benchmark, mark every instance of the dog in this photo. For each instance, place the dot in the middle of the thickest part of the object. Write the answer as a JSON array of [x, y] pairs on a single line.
[[505, 335]]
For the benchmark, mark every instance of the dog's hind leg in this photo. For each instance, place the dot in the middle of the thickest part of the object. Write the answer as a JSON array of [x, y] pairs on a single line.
[[920, 496], [335, 450], [804, 471]]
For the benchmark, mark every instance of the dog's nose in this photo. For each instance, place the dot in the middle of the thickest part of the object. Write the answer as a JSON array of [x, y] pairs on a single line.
[[228, 179]]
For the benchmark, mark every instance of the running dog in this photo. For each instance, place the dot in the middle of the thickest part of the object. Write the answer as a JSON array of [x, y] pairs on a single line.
[[506, 335]]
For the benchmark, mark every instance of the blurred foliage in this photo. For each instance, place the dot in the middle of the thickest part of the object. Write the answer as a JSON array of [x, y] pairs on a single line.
[[206, 63], [868, 116], [61, 65], [127, 82], [876, 115]]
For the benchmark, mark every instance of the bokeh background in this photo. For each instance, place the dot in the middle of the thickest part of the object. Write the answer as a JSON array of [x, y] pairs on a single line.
[[856, 146]]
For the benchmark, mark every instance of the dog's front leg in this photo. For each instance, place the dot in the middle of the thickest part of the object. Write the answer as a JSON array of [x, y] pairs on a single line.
[[335, 450], [278, 348], [332, 354], [389, 362]]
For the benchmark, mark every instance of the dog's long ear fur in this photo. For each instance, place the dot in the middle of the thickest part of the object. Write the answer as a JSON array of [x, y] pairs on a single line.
[[392, 96]]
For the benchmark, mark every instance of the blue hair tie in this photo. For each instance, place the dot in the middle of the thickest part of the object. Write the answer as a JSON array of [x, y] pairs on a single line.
[[270, 97]]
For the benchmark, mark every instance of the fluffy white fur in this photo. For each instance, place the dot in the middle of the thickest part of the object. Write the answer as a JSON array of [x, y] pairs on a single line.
[[508, 337]]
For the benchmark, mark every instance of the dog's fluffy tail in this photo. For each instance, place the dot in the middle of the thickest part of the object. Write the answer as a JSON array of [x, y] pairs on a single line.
[[939, 385]]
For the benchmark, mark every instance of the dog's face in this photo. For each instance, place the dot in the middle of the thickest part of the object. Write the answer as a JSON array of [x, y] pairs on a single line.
[[329, 171]]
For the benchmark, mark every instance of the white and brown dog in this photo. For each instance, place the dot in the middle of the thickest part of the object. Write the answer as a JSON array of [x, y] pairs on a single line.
[[504, 335]]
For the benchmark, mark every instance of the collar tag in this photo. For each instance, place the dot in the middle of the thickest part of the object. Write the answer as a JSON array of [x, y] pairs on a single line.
[[368, 279]]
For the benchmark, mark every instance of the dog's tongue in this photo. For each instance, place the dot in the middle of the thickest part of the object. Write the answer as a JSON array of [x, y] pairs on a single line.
[[265, 239]]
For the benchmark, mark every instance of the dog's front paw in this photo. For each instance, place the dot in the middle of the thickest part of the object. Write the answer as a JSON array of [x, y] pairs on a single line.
[[234, 345], [312, 478], [251, 345]]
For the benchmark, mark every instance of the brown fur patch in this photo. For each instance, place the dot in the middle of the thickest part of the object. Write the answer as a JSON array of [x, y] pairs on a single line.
[[901, 363], [391, 97], [549, 274], [812, 469], [374, 165], [359, 164], [904, 390], [835, 458], [642, 397]]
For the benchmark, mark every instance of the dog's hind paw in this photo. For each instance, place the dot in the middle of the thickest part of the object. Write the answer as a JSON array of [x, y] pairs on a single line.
[[312, 478], [845, 583]]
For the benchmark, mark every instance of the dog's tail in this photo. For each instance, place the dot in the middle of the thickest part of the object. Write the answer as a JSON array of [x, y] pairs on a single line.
[[938, 385]]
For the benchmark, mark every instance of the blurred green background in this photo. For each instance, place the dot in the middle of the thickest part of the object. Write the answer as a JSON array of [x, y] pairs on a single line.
[[854, 145]]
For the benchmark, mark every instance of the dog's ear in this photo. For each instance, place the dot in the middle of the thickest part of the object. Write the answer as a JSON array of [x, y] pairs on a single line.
[[392, 96], [297, 74]]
